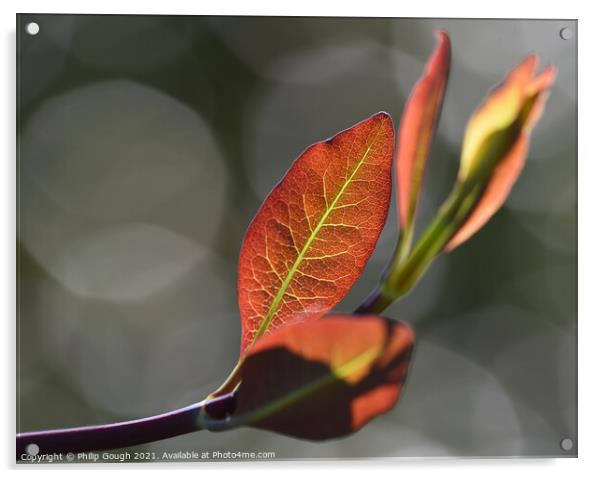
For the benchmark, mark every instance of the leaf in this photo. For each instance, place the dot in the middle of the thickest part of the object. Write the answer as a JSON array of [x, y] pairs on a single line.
[[496, 141], [323, 379], [417, 128], [316, 230]]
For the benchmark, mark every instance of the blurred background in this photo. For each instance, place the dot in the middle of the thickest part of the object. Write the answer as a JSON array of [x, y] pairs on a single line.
[[146, 145]]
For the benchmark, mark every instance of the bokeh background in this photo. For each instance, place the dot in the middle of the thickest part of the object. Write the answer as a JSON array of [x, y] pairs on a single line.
[[146, 145]]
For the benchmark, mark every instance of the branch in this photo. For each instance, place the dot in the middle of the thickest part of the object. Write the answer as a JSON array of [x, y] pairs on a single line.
[[123, 434]]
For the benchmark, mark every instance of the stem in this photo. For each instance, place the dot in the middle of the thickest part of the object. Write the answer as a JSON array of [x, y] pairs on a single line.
[[405, 269], [123, 434], [406, 242], [375, 303]]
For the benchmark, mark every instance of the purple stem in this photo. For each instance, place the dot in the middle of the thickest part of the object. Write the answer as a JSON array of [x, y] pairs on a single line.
[[375, 303], [124, 434]]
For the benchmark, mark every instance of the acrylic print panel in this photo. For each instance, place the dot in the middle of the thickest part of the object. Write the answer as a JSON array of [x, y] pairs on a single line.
[[174, 226]]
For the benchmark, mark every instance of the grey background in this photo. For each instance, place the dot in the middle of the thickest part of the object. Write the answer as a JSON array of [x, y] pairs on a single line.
[[146, 145]]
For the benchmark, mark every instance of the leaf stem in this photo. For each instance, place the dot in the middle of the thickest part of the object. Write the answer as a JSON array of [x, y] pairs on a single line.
[[231, 383], [406, 239]]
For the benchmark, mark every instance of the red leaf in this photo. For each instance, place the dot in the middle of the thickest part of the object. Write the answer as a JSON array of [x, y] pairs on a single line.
[[513, 108], [417, 128], [316, 230], [323, 379]]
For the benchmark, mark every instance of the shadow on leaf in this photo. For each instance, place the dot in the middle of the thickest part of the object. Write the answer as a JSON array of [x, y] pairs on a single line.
[[324, 379]]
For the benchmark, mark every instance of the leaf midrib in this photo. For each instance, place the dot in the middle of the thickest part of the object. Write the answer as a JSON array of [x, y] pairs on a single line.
[[341, 372], [275, 305]]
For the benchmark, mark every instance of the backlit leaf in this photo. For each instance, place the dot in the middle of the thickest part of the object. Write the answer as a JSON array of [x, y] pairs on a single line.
[[418, 126], [496, 141], [323, 379], [316, 230]]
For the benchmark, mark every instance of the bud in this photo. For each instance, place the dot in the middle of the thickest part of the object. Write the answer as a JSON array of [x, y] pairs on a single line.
[[417, 128], [496, 142]]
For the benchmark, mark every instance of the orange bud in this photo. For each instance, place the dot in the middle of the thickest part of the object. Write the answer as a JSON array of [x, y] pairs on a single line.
[[496, 141], [417, 127]]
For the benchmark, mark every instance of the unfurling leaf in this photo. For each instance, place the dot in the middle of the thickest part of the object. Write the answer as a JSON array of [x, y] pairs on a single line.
[[417, 128], [323, 379], [316, 230], [496, 141]]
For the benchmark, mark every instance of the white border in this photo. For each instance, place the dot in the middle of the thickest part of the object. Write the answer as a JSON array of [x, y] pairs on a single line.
[[590, 176]]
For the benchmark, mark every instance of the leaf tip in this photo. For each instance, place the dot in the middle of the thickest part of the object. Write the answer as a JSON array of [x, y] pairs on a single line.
[[443, 49], [382, 116]]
